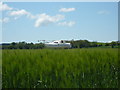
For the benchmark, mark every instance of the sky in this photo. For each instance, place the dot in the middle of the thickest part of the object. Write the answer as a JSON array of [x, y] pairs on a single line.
[[33, 21]]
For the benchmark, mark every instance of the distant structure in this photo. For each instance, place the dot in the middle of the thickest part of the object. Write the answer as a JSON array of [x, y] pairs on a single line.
[[58, 44]]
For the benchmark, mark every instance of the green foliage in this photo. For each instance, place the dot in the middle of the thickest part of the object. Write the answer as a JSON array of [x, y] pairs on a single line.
[[0, 69], [88, 44], [23, 45], [60, 68], [79, 43]]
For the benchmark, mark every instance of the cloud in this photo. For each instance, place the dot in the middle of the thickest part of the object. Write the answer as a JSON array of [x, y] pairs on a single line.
[[40, 19], [103, 12], [4, 7], [4, 20], [45, 19], [67, 9], [70, 23], [19, 12]]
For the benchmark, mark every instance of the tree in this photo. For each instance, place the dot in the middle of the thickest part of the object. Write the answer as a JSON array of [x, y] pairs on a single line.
[[113, 43]]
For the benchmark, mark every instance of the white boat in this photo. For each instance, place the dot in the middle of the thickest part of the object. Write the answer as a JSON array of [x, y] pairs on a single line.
[[58, 44]]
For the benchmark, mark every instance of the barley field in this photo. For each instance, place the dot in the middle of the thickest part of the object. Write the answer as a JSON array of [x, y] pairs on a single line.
[[60, 68]]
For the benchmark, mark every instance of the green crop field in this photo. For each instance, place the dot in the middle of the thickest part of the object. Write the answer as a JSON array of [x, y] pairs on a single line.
[[60, 68]]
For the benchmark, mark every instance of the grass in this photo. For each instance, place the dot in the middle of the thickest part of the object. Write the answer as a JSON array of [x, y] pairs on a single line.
[[60, 68], [0, 69]]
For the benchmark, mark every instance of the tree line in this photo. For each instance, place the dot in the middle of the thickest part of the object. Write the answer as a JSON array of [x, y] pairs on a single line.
[[87, 44], [23, 45], [74, 44]]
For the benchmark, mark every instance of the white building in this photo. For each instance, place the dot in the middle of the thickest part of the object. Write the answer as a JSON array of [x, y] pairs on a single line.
[[58, 43]]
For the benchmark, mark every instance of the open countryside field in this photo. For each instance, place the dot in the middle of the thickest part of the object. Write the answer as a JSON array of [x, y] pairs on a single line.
[[60, 68]]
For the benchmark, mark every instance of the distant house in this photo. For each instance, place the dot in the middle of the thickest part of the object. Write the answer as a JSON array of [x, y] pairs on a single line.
[[58, 43]]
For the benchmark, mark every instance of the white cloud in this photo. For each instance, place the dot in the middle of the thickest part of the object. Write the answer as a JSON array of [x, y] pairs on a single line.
[[40, 19], [4, 20], [103, 12], [45, 19], [19, 12], [70, 23], [4, 7], [67, 9]]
